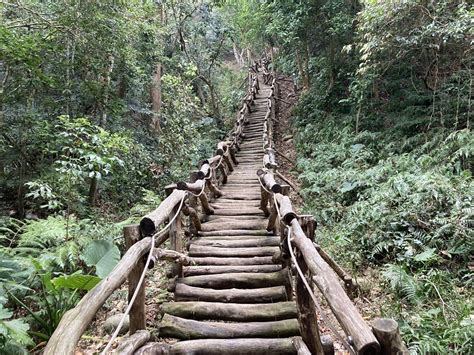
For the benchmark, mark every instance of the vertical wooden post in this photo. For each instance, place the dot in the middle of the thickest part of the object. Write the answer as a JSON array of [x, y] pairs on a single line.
[[328, 345], [272, 220], [137, 312], [264, 197], [176, 240], [223, 173], [308, 224], [307, 316], [285, 190], [388, 334]]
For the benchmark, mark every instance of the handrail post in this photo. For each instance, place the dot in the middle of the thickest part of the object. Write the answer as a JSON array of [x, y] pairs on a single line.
[[307, 315], [137, 312], [176, 240]]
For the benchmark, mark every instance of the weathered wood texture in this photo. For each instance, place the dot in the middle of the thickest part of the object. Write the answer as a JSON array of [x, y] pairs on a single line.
[[307, 313], [256, 295], [388, 334], [151, 221], [342, 307], [181, 328], [231, 311], [238, 280], [259, 346], [129, 344], [137, 312]]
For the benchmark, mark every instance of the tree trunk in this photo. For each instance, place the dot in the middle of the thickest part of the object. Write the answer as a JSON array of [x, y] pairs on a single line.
[[238, 57], [21, 191], [93, 187], [106, 81], [155, 94]]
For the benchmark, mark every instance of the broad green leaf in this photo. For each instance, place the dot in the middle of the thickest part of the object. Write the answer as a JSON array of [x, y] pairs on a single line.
[[428, 254], [76, 281], [103, 255]]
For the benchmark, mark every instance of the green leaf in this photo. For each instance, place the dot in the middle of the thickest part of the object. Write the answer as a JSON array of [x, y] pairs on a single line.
[[103, 255], [76, 281], [348, 186], [427, 255], [14, 329]]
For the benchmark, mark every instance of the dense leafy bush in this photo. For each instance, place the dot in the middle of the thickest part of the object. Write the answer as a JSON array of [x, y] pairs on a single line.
[[386, 197]]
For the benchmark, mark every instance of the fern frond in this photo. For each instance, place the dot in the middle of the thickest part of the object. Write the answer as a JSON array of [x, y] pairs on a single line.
[[401, 282]]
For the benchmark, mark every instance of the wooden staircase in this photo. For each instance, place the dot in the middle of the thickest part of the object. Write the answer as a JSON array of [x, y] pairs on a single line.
[[234, 299], [231, 297]]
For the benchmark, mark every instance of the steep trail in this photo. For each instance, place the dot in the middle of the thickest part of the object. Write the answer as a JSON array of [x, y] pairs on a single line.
[[236, 299]]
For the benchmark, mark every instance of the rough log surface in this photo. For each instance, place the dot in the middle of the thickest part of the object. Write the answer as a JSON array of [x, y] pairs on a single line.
[[388, 334], [257, 295], [181, 328], [128, 345], [217, 269], [231, 311], [75, 321], [151, 221], [259, 346], [238, 280], [328, 283]]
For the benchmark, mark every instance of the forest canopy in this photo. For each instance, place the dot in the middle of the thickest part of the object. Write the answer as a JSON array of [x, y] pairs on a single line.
[[103, 103]]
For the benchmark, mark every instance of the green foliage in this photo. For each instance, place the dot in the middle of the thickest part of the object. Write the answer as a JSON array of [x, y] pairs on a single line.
[[401, 201], [103, 255], [13, 333], [76, 281], [81, 154]]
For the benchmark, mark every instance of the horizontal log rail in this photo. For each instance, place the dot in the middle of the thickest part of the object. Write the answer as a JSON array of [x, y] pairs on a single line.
[[316, 265], [181, 199]]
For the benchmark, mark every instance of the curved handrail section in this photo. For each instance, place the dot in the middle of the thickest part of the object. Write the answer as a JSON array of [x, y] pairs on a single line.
[[203, 183]]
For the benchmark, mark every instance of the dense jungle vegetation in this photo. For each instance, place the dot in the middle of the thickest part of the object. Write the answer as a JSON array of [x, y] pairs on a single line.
[[103, 103]]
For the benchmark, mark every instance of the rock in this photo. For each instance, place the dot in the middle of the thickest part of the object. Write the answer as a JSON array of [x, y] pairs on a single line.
[[112, 323]]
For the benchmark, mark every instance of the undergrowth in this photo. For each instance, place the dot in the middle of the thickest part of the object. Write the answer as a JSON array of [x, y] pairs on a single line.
[[399, 198]]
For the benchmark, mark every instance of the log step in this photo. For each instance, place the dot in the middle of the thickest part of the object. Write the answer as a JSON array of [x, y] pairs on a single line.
[[236, 243], [233, 237], [256, 295], [237, 280], [256, 260], [231, 311], [238, 212], [201, 250], [242, 224], [222, 269], [229, 232], [241, 196], [257, 346], [233, 218], [181, 328]]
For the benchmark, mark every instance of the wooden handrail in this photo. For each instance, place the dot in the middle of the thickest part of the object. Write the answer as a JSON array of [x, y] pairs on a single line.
[[328, 284], [75, 321], [324, 271]]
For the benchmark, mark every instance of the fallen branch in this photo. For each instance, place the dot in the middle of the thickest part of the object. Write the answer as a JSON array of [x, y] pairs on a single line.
[[289, 183], [280, 99], [285, 157], [171, 255]]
